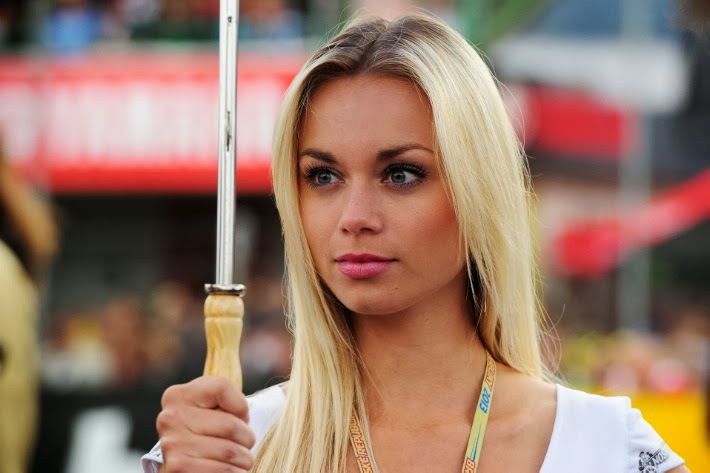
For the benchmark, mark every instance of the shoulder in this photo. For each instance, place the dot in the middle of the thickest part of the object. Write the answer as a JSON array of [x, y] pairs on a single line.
[[525, 397], [594, 409], [608, 430], [265, 409]]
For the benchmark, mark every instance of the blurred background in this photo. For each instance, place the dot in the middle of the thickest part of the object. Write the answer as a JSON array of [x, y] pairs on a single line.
[[108, 119]]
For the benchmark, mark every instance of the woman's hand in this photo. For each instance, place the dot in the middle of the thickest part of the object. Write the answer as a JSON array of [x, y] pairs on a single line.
[[203, 427]]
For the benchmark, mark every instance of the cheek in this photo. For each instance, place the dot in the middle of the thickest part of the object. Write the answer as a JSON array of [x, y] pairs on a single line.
[[315, 227], [440, 233]]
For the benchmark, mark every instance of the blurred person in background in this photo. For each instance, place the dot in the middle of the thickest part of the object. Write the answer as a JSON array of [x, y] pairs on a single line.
[[75, 356], [445, 10], [266, 346], [72, 26], [134, 13], [114, 24], [179, 20], [384, 8], [175, 341], [28, 241], [123, 326], [269, 20]]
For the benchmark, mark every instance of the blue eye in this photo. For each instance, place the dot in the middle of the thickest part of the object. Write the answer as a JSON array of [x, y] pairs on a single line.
[[399, 177], [404, 175], [323, 177], [320, 176]]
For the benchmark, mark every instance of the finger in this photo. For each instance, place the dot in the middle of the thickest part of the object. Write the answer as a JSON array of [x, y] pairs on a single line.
[[209, 392], [228, 453], [217, 423], [206, 422], [226, 396]]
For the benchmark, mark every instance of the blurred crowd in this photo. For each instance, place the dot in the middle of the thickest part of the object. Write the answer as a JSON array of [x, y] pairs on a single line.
[[159, 340], [629, 362], [78, 25], [75, 26]]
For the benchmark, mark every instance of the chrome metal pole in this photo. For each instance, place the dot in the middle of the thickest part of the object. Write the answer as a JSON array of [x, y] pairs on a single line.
[[227, 188]]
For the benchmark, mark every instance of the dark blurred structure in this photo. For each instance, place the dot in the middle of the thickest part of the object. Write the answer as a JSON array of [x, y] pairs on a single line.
[[13, 24]]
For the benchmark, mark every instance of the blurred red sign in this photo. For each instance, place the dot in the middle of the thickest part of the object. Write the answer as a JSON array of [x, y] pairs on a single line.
[[593, 247], [146, 122], [138, 122]]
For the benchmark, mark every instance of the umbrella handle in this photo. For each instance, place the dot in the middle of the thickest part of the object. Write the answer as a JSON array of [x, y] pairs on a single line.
[[224, 313]]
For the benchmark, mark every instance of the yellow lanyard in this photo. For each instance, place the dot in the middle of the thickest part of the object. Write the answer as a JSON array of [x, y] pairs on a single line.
[[475, 440]]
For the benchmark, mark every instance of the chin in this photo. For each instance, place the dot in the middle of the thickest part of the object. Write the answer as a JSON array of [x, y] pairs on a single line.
[[372, 307]]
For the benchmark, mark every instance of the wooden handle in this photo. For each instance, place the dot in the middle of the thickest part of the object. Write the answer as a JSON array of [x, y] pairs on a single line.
[[224, 315]]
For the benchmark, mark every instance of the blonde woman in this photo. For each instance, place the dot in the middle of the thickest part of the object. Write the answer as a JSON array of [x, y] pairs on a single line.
[[404, 202]]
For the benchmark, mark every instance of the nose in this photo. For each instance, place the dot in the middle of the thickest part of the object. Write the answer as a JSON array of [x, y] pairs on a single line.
[[360, 211]]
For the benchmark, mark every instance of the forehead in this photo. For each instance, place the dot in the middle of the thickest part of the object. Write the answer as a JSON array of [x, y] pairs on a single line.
[[366, 110]]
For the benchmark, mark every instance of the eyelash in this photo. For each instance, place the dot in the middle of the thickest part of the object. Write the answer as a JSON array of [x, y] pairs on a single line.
[[419, 172], [311, 172]]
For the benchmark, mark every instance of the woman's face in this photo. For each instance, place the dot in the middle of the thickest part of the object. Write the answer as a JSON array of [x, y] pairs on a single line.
[[376, 214]]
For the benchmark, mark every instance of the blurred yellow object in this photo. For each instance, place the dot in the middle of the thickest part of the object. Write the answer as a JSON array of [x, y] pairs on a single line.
[[681, 420], [19, 366]]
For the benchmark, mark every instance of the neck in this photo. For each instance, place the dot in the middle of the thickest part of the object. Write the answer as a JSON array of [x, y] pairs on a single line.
[[413, 358]]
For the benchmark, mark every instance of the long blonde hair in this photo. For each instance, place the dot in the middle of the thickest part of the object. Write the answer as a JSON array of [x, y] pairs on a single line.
[[482, 162]]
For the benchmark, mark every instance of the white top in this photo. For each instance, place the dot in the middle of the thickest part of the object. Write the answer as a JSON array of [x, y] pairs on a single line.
[[591, 434]]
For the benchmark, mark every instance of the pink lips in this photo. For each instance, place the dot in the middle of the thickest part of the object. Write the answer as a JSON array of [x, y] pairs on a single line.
[[362, 265]]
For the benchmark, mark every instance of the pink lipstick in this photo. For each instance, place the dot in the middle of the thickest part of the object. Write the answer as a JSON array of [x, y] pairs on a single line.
[[362, 265]]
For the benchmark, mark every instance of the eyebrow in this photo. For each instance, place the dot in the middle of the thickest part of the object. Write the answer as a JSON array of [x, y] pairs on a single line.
[[382, 156]]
